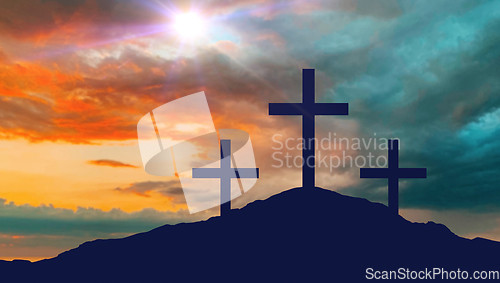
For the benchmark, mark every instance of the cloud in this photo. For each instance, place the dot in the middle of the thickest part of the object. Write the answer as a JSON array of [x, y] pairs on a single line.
[[42, 231], [438, 95], [170, 189], [74, 22], [93, 93], [49, 220], [105, 101], [111, 163]]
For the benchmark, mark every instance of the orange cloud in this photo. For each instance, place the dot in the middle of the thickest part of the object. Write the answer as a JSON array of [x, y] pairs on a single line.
[[111, 163], [74, 102], [88, 96], [169, 189]]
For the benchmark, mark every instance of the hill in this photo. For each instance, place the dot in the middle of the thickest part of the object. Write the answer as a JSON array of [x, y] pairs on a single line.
[[300, 235]]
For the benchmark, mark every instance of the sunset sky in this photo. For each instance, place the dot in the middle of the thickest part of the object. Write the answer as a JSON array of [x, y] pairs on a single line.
[[77, 75]]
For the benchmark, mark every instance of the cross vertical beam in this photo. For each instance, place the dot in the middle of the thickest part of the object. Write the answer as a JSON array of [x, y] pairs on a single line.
[[225, 173], [393, 173], [308, 129], [308, 109], [225, 183], [393, 181]]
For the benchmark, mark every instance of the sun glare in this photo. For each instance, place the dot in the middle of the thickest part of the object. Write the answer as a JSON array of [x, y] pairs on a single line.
[[188, 24]]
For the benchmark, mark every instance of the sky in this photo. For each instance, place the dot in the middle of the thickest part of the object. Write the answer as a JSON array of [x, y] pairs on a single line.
[[76, 76]]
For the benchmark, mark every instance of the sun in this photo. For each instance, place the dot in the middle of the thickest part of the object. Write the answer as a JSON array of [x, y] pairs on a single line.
[[189, 24]]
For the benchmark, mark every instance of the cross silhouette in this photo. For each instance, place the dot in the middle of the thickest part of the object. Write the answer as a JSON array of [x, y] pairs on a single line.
[[393, 173], [225, 173], [308, 109]]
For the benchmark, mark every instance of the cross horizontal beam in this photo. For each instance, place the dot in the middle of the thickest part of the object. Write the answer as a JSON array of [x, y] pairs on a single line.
[[225, 173], [384, 173], [305, 109]]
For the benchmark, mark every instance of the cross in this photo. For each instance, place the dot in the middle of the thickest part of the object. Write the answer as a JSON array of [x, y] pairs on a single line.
[[393, 173], [308, 109], [225, 173]]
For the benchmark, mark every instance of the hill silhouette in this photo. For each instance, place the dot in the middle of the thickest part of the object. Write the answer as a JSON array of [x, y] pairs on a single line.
[[300, 235]]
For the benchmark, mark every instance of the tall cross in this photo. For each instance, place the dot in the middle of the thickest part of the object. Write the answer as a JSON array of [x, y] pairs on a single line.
[[393, 173], [308, 109], [225, 173]]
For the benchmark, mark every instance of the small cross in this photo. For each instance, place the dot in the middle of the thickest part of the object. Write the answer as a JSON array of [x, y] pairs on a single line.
[[308, 109], [225, 173], [393, 173]]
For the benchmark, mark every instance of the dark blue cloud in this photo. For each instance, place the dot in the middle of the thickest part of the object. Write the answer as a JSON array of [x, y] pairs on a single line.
[[424, 72], [431, 80], [48, 220]]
